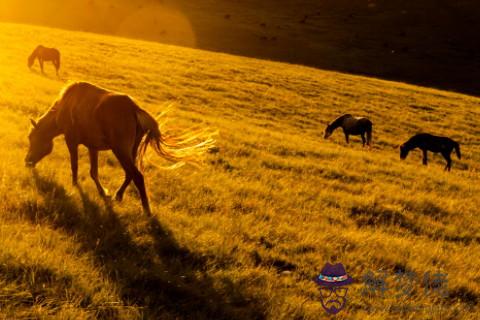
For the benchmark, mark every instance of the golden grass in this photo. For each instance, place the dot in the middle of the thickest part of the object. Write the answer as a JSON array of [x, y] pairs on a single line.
[[244, 236]]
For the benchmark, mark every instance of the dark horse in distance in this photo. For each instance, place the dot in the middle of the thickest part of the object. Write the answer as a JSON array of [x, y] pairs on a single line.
[[104, 120], [427, 142], [352, 126], [45, 54]]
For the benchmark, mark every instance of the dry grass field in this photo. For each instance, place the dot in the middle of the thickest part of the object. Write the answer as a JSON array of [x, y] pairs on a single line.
[[243, 237]]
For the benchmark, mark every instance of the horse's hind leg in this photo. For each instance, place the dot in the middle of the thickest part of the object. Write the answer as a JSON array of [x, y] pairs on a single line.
[[55, 63], [128, 178], [363, 139], [128, 164], [449, 161], [123, 187], [425, 157], [94, 172]]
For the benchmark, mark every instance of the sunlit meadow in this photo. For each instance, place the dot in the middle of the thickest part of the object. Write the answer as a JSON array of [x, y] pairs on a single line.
[[244, 236]]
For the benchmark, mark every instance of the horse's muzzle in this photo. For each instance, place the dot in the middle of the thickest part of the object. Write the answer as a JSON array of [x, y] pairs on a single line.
[[29, 164]]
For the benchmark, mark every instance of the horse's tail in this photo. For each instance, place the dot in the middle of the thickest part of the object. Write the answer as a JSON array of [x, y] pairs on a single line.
[[185, 148], [457, 149], [369, 135]]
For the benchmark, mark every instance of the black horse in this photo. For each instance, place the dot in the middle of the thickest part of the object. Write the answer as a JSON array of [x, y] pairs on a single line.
[[427, 142], [352, 126]]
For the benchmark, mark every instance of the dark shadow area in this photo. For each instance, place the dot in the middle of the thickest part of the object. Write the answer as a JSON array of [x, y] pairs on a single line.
[[374, 216], [49, 76], [432, 43], [161, 279]]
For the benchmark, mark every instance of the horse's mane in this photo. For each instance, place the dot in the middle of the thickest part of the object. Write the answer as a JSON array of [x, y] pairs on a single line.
[[340, 119], [62, 95], [32, 56], [67, 92], [35, 51], [54, 107]]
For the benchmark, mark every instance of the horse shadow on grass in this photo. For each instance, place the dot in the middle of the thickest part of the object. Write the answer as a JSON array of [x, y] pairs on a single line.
[[161, 279], [49, 75]]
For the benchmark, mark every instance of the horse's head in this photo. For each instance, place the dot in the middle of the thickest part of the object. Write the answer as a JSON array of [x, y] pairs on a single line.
[[328, 132], [31, 59], [41, 144], [403, 152]]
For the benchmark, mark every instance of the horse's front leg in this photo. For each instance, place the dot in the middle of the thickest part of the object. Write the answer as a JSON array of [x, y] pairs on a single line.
[[40, 61], [346, 137], [425, 159], [128, 164], [363, 139], [93, 154], [128, 177], [73, 149]]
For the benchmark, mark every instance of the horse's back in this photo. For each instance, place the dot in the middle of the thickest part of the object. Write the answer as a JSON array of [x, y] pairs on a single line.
[[362, 119], [117, 117], [48, 53], [350, 118], [432, 142], [427, 137], [357, 124], [89, 113]]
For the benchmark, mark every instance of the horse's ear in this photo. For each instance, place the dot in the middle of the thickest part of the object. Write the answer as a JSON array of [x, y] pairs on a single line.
[[34, 123]]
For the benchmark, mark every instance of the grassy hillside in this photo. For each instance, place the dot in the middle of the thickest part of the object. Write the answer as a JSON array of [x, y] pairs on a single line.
[[426, 42], [244, 236]]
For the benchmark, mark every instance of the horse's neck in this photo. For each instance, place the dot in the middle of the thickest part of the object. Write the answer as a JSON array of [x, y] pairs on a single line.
[[411, 144], [35, 52], [337, 123], [49, 124]]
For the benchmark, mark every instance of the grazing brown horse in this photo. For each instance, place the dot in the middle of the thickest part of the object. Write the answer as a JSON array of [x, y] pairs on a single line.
[[45, 54], [104, 120], [427, 142], [351, 126]]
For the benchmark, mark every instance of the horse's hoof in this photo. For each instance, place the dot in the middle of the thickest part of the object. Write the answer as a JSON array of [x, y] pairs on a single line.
[[108, 201], [105, 194], [119, 197]]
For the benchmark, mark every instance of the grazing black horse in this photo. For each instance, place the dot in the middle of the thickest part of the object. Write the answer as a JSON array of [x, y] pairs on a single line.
[[352, 126], [427, 142]]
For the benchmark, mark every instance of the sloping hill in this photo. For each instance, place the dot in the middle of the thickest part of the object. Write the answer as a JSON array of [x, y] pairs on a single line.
[[243, 237], [426, 42]]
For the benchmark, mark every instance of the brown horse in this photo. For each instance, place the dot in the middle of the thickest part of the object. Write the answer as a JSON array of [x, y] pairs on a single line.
[[104, 120], [351, 126], [45, 54]]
